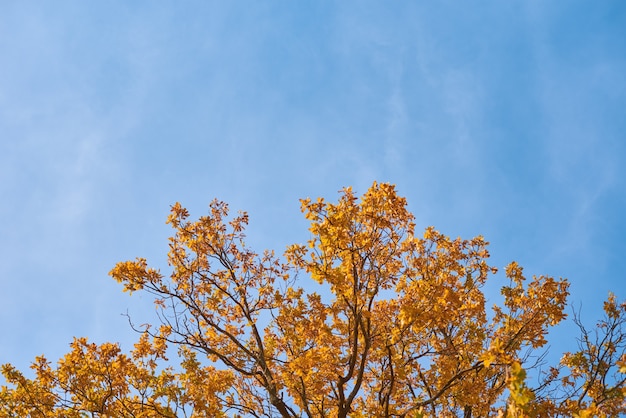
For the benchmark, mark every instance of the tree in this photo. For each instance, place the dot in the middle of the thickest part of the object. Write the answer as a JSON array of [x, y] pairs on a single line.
[[399, 328]]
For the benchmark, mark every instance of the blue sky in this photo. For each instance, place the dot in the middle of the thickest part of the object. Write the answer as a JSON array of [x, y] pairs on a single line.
[[505, 119]]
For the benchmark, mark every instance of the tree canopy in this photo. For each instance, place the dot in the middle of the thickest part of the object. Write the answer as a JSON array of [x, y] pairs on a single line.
[[399, 327]]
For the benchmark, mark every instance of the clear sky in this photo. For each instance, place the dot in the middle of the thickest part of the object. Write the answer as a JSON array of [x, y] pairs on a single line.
[[506, 119]]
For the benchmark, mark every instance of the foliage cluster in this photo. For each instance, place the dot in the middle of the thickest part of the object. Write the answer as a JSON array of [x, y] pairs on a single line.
[[402, 330]]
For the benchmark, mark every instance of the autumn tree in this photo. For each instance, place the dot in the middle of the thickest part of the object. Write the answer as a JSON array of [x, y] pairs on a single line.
[[399, 327]]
